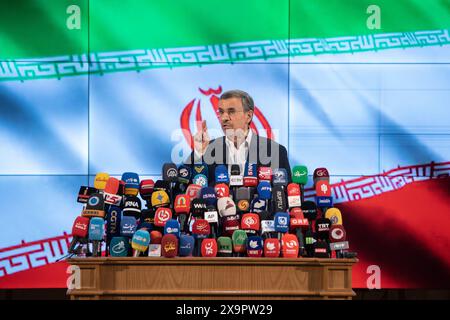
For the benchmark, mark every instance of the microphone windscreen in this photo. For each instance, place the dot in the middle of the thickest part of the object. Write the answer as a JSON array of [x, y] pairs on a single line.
[[148, 215], [222, 190], [258, 205], [184, 174], [201, 228], [113, 218], [290, 246], [201, 169], [281, 222], [337, 233], [225, 247], [239, 241], [182, 204], [264, 190], [221, 174], [208, 194], [170, 172], [309, 209], [95, 206], [254, 247], [193, 191], [119, 247], [187, 243], [132, 207], [146, 188], [250, 221], [323, 228], [272, 248], [162, 215], [198, 207], [112, 185], [226, 207], [131, 180], [100, 181], [200, 180], [251, 175], [84, 194], [96, 228], [321, 249], [80, 227], [279, 199], [128, 226], [230, 224], [155, 237], [140, 240], [280, 177], [293, 192], [323, 189], [169, 246], [172, 226], [300, 174], [160, 199], [321, 174], [335, 216], [265, 174], [209, 248]]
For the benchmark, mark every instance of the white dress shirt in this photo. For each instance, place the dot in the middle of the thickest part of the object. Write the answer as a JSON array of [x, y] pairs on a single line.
[[238, 155]]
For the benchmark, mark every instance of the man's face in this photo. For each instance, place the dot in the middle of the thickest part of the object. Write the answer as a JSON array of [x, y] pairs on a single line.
[[232, 115]]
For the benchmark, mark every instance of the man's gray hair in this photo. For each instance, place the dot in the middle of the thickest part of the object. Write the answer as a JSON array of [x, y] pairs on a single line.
[[247, 101]]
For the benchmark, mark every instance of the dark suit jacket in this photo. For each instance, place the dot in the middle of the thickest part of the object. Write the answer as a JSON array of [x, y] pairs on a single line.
[[262, 151]]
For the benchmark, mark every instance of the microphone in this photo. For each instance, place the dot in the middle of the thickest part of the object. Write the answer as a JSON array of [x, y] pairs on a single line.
[[281, 223], [280, 178], [321, 249], [208, 194], [337, 239], [154, 249], [271, 248], [335, 216], [236, 179], [309, 209], [79, 232], [113, 218], [186, 245], [146, 188], [258, 205], [201, 169], [84, 194], [211, 215], [222, 190], [95, 206], [209, 248], [265, 174], [230, 224], [172, 226], [160, 199], [310, 240], [100, 181], [200, 180], [290, 246], [279, 199], [321, 174], [193, 191], [243, 197], [140, 242], [323, 228], [96, 226], [298, 222], [251, 175], [267, 225], [323, 194], [119, 247], [225, 247], [198, 208], [294, 195], [239, 242], [148, 215], [170, 175], [182, 207], [250, 223], [110, 192], [184, 177], [169, 246], [128, 226], [201, 230], [264, 191], [162, 215], [255, 247], [300, 176], [226, 207], [221, 174], [132, 207], [131, 180]]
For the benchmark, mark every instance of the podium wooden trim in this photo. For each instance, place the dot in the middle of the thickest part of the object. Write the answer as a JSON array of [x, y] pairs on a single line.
[[213, 278]]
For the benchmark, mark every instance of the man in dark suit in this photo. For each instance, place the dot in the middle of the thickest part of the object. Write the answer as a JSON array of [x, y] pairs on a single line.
[[240, 144]]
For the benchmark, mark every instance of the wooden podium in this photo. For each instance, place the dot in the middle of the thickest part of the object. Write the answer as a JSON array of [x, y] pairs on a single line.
[[213, 278]]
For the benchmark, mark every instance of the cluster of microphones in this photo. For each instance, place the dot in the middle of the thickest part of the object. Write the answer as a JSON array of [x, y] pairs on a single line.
[[253, 212]]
